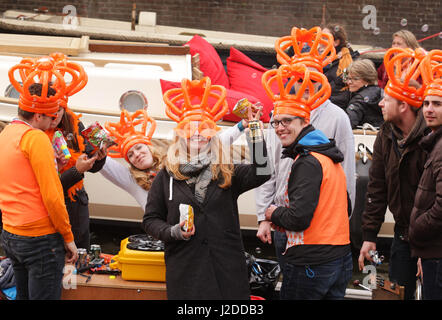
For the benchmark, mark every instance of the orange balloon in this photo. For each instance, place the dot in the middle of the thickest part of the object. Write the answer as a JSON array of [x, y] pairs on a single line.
[[431, 70], [190, 103], [286, 77], [41, 71], [321, 50], [402, 66], [126, 134]]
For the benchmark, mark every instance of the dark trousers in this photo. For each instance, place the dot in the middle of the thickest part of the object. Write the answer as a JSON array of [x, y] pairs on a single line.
[[38, 264], [325, 281], [79, 219], [403, 268], [280, 241], [432, 284]]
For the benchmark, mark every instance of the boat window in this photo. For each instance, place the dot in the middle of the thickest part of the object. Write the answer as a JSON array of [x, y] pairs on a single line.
[[133, 100], [11, 92]]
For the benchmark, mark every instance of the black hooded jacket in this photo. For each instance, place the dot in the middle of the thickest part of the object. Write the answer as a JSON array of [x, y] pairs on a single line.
[[304, 187]]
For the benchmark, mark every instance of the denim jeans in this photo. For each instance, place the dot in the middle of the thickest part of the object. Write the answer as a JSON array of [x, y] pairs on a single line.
[[325, 281], [402, 267], [432, 286], [280, 240], [38, 264]]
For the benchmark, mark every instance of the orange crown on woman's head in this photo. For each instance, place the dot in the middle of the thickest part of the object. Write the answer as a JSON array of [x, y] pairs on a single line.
[[196, 105], [126, 134], [431, 70], [320, 53], [43, 72], [79, 77], [286, 76], [402, 66]]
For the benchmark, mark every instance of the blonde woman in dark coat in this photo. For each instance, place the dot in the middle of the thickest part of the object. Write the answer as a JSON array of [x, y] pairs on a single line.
[[207, 261]]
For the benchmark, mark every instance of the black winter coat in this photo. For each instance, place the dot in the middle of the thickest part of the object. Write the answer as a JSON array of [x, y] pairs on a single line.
[[212, 263], [425, 230], [364, 106], [393, 179]]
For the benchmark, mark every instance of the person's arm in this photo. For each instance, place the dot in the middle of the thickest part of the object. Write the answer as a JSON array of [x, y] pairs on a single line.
[[98, 164], [69, 178], [345, 141], [376, 196], [428, 225], [232, 133], [155, 216], [76, 173], [265, 193], [249, 176], [120, 175], [303, 192], [36, 146], [356, 111]]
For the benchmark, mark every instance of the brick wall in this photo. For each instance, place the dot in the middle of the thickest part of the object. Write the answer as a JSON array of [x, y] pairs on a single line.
[[269, 17]]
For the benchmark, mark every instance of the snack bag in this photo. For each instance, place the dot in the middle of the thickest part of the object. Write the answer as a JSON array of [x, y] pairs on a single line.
[[97, 136], [186, 214], [59, 143]]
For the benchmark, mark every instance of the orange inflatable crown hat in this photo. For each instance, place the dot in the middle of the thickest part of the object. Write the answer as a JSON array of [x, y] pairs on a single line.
[[40, 71], [320, 54], [126, 134], [78, 76], [295, 104], [197, 105], [402, 65], [431, 69]]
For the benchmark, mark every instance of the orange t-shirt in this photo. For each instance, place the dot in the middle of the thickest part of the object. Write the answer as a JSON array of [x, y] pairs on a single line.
[[45, 213]]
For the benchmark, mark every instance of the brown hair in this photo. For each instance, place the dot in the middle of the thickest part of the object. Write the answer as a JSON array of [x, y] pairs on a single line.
[[144, 178], [338, 32], [35, 89], [222, 162]]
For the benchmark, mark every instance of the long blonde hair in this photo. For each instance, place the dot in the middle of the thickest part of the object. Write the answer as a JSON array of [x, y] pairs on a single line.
[[144, 178], [221, 160]]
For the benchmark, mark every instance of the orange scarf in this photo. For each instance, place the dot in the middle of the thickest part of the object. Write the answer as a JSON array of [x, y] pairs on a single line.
[[344, 61], [72, 191]]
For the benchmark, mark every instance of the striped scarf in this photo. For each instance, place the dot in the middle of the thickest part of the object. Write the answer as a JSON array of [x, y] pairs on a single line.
[[198, 169]]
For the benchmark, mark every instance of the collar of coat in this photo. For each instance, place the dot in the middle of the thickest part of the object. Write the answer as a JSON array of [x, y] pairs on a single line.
[[429, 141], [313, 140]]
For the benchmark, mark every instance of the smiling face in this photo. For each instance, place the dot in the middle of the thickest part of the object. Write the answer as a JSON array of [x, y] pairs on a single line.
[[432, 110], [287, 128], [140, 156], [355, 82], [196, 142]]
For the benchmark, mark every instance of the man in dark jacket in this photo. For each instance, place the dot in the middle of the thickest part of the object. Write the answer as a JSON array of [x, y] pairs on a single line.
[[425, 230], [397, 166], [318, 262]]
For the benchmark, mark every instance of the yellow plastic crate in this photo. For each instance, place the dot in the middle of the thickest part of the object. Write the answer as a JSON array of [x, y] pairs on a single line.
[[139, 265]]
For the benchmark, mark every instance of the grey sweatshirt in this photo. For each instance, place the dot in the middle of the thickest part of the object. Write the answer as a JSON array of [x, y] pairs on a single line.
[[335, 124]]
